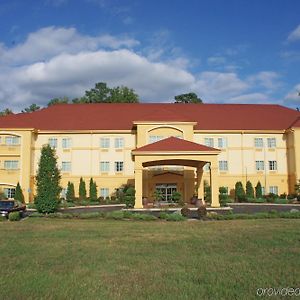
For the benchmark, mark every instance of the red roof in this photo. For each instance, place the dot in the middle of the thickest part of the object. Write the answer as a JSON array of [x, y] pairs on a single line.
[[172, 144], [121, 116]]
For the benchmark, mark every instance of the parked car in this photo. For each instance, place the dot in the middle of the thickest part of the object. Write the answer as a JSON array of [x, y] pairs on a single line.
[[8, 206]]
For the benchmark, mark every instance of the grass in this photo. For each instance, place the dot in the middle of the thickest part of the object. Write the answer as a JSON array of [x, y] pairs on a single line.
[[109, 259]]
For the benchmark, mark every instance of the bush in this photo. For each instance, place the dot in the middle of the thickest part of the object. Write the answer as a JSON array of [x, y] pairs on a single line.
[[260, 200], [185, 212], [30, 205], [36, 215], [14, 216], [163, 215], [130, 197], [175, 217], [82, 189], [239, 192], [143, 217], [281, 201], [271, 197], [223, 196], [116, 215], [249, 190], [201, 212], [19, 193], [176, 197], [2, 218], [91, 215], [258, 190], [70, 195]]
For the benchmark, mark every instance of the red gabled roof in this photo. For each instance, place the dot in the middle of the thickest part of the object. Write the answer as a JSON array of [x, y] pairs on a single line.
[[121, 116], [173, 144]]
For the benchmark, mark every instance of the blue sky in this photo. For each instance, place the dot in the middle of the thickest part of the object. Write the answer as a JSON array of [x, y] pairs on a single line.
[[226, 51]]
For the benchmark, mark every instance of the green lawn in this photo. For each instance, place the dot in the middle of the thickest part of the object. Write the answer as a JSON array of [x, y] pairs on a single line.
[[106, 259]]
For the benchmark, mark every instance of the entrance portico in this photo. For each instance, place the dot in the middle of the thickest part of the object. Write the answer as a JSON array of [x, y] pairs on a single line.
[[177, 152]]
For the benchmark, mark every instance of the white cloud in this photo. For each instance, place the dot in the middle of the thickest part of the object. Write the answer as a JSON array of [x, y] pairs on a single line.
[[266, 79], [250, 98], [292, 98], [294, 35], [216, 60], [55, 62], [50, 41]]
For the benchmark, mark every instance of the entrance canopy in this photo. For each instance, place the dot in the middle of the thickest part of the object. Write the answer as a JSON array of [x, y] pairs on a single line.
[[176, 151]]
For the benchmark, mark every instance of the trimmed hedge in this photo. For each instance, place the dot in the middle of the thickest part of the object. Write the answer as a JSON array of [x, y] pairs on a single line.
[[14, 216]]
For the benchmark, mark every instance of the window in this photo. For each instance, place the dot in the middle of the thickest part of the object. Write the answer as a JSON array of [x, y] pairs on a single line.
[[66, 166], [271, 142], [119, 166], [222, 143], [104, 142], [66, 143], [223, 165], [273, 190], [119, 143], [104, 166], [12, 140], [272, 165], [155, 138], [259, 165], [209, 142], [11, 164], [52, 142], [10, 193], [104, 192], [258, 143]]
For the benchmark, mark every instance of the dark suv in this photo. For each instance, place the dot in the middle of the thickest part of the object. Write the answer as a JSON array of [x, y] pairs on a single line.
[[8, 206]]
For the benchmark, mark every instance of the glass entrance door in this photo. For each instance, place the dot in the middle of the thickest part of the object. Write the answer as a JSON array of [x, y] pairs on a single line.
[[166, 190]]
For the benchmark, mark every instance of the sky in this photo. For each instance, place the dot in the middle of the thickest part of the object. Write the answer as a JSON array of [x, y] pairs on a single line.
[[233, 51]]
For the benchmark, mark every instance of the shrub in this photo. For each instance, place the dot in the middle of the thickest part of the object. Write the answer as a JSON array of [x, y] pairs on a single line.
[[258, 190], [14, 216], [271, 197], [176, 197], [223, 196], [116, 215], [36, 215], [82, 189], [201, 212], [239, 192], [47, 181], [91, 215], [70, 195], [249, 190], [185, 212], [163, 215], [130, 197], [175, 217], [19, 194], [93, 190], [260, 200], [143, 217], [2, 218], [281, 201]]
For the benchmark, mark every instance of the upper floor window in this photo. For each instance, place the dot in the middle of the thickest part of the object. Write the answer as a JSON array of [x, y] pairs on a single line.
[[155, 138], [52, 142], [222, 143], [272, 165], [119, 166], [12, 140], [271, 142], [223, 165], [119, 143], [11, 164], [66, 166], [104, 166], [209, 142], [259, 165], [104, 142], [258, 143], [66, 143]]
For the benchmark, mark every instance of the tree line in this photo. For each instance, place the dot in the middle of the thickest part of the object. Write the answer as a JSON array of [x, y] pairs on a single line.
[[102, 93]]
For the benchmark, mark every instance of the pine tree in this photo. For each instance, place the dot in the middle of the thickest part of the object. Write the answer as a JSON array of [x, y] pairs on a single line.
[[239, 191], [82, 189], [47, 181], [258, 190], [19, 194], [70, 192], [249, 190], [93, 190]]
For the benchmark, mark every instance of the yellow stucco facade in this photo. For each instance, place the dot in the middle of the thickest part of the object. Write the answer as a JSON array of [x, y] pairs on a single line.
[[109, 156]]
